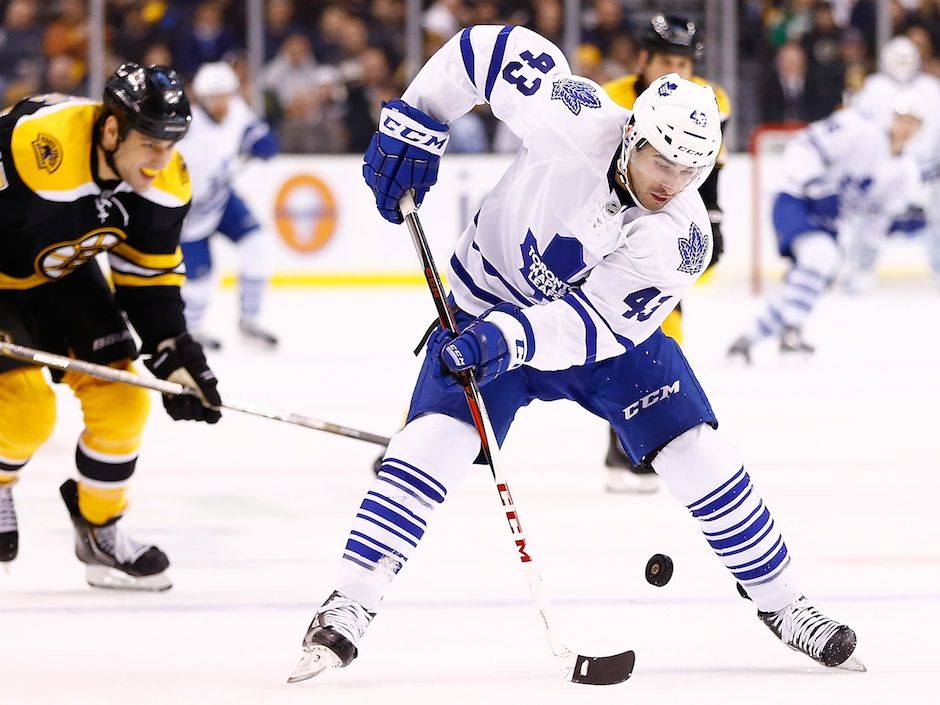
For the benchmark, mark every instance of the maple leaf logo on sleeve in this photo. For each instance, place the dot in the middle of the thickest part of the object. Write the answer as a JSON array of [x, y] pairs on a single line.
[[574, 94], [693, 249]]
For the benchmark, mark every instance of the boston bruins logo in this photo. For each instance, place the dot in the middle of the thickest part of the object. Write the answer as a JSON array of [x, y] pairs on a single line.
[[63, 258], [48, 152]]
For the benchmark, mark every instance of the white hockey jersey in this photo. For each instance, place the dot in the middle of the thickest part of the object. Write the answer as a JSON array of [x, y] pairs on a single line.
[[846, 159], [211, 149], [594, 276], [881, 95]]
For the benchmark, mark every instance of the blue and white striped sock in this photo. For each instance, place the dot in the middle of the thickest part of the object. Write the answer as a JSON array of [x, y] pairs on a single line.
[[390, 522], [741, 531]]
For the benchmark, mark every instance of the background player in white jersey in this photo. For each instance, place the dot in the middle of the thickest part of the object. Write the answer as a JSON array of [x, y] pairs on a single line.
[[560, 284], [224, 130], [845, 164], [899, 80]]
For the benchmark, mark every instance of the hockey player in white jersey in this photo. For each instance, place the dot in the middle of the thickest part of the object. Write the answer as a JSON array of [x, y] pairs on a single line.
[[846, 165], [899, 80], [560, 285], [224, 130]]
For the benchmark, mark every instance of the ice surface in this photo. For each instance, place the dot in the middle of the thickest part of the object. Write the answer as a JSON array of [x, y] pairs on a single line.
[[253, 513]]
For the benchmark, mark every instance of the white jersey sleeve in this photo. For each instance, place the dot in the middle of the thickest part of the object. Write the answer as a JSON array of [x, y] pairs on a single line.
[[502, 66]]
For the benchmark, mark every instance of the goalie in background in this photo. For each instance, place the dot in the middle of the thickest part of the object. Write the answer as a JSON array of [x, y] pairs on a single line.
[[845, 166], [224, 131], [81, 178], [669, 44]]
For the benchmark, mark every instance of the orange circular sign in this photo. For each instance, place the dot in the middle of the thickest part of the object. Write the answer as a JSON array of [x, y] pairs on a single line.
[[305, 213]]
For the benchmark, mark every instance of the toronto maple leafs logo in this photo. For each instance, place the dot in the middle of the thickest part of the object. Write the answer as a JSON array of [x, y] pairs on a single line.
[[667, 88], [698, 117], [693, 249], [574, 94], [548, 272]]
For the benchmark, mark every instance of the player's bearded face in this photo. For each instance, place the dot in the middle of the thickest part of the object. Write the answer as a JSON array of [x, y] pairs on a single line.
[[139, 158], [654, 179]]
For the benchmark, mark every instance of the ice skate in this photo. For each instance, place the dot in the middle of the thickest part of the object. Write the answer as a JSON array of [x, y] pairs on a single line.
[[741, 348], [112, 559], [804, 628], [207, 341], [623, 477], [9, 534], [330, 641], [791, 341], [253, 333]]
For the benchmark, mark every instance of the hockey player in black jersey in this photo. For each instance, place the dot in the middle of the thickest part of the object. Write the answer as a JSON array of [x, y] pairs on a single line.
[[79, 178]]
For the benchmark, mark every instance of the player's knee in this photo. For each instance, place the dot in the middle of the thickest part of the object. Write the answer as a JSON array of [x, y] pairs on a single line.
[[437, 446], [27, 413], [695, 463], [817, 252], [115, 414], [254, 255]]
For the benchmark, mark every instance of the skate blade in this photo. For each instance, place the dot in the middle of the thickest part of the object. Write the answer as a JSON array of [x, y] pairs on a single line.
[[852, 664], [315, 660], [101, 576], [634, 484]]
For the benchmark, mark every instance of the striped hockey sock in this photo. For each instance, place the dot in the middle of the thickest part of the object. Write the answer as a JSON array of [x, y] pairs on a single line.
[[390, 522], [793, 305], [741, 531]]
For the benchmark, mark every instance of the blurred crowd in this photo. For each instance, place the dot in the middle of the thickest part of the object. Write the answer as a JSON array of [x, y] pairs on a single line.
[[329, 64]]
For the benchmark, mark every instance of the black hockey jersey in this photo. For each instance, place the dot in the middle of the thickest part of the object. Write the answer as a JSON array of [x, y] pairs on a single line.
[[55, 215]]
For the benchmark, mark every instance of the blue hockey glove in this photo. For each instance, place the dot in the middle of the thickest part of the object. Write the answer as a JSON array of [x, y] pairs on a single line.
[[404, 154], [483, 347]]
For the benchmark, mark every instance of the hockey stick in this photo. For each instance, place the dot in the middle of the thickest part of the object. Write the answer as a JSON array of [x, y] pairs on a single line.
[[60, 362], [592, 670]]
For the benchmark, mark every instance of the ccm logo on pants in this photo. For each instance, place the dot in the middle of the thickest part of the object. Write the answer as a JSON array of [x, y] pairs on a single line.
[[650, 399]]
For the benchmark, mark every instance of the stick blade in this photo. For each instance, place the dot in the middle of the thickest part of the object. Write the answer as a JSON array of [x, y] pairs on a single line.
[[602, 670]]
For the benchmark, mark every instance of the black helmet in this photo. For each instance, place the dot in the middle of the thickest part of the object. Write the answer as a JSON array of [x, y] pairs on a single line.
[[149, 100], [669, 34]]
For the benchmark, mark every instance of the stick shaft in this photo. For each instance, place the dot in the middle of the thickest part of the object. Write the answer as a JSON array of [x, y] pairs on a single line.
[[481, 421], [60, 362]]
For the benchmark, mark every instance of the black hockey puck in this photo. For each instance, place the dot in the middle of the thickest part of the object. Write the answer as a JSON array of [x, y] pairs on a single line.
[[659, 569]]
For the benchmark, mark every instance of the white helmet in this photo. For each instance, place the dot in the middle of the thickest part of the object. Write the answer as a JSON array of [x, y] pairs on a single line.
[[680, 120], [216, 78], [900, 59]]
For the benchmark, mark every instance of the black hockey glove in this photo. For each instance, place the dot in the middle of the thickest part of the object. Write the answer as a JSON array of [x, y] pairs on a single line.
[[182, 360]]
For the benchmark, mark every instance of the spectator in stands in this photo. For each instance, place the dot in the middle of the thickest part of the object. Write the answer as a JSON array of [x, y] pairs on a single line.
[[607, 24], [68, 33], [63, 74], [375, 85], [825, 68], [785, 96], [132, 34], [327, 38], [20, 64], [789, 21], [279, 22], [207, 39], [157, 54], [387, 20], [548, 20]]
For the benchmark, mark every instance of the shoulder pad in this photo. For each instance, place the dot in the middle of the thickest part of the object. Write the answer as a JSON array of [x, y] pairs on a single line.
[[623, 90]]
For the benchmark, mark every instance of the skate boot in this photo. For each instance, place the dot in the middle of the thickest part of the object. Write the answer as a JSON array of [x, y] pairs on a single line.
[[207, 341], [330, 641], [112, 558], [9, 534], [253, 333], [741, 348], [791, 341], [623, 477], [804, 628]]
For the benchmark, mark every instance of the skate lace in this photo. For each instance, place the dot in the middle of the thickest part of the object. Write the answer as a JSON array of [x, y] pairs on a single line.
[[805, 628], [7, 511], [117, 543], [346, 616]]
